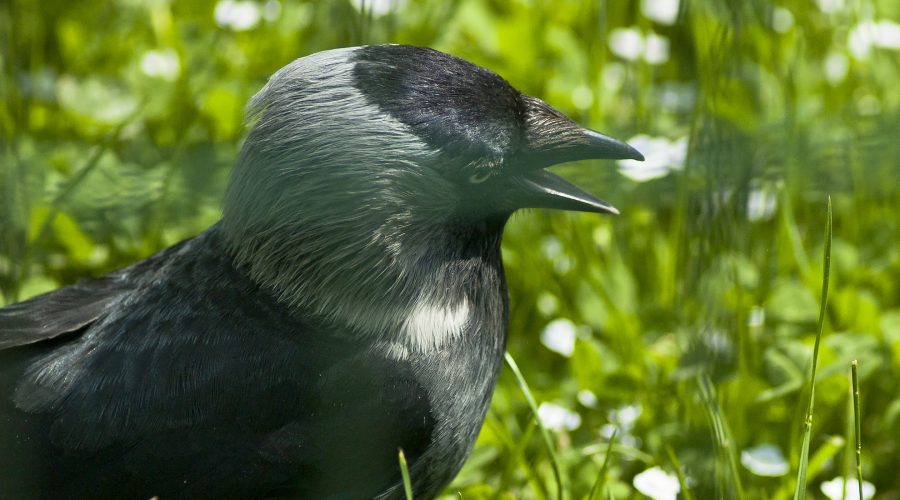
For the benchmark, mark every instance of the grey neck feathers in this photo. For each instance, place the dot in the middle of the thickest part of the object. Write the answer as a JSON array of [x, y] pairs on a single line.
[[340, 216]]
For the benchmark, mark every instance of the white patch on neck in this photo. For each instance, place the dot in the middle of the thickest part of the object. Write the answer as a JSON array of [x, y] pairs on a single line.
[[429, 325]]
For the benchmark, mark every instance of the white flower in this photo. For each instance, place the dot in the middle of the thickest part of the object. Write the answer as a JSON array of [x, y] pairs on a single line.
[[836, 67], [163, 64], [782, 20], [587, 398], [547, 303], [656, 49], [865, 35], [765, 460], [271, 10], [582, 97], [661, 156], [761, 205], [557, 418], [626, 416], [887, 35], [630, 44], [830, 6], [662, 11], [613, 76], [757, 317], [657, 484], [559, 337], [834, 489], [627, 43], [378, 7], [239, 15]]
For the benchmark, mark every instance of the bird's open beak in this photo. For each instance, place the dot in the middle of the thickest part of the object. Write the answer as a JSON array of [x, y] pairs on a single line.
[[553, 139]]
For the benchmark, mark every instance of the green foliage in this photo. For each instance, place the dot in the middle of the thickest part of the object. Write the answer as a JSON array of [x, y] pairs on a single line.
[[694, 312]]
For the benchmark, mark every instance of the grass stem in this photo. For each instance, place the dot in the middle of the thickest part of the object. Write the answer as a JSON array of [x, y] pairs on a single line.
[[854, 382], [800, 491], [404, 471], [600, 482], [548, 442]]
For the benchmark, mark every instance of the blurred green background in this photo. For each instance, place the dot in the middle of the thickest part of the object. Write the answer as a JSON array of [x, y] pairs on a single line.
[[685, 325]]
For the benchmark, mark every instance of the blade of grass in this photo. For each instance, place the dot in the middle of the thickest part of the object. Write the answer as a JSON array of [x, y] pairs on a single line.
[[854, 382], [404, 471], [517, 459], [548, 442], [685, 492], [600, 482], [800, 491], [725, 449]]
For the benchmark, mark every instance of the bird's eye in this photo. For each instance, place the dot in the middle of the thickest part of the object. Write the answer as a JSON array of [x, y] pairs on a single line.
[[479, 177]]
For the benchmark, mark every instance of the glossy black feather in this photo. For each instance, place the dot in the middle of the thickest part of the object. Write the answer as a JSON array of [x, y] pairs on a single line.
[[191, 381], [59, 312]]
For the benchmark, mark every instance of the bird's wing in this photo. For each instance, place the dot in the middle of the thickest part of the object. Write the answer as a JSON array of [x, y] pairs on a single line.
[[72, 308], [59, 312]]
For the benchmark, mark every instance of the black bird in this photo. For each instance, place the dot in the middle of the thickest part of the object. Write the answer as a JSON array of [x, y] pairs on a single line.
[[350, 302]]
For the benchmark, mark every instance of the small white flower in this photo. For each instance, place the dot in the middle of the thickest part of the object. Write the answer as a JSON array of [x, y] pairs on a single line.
[[860, 40], [836, 67], [559, 336], [782, 20], [868, 34], [657, 484], [582, 97], [613, 76], [547, 303], [662, 11], [656, 49], [271, 10], [587, 398], [757, 317], [630, 44], [239, 15], [830, 6], [627, 43], [163, 64], [607, 431], [626, 416], [761, 205], [557, 418], [765, 460], [835, 490], [551, 247], [887, 34], [661, 156], [379, 8]]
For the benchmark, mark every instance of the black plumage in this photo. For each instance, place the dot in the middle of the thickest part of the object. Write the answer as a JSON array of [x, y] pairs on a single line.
[[351, 301]]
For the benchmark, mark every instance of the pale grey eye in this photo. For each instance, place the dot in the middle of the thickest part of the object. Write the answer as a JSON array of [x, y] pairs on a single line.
[[479, 177]]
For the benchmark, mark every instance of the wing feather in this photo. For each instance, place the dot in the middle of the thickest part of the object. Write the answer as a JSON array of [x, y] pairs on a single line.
[[59, 312]]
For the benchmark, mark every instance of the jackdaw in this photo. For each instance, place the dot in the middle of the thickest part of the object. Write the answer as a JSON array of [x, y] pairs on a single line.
[[350, 302]]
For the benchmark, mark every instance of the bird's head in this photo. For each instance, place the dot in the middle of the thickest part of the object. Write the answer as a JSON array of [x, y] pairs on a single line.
[[394, 158]]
